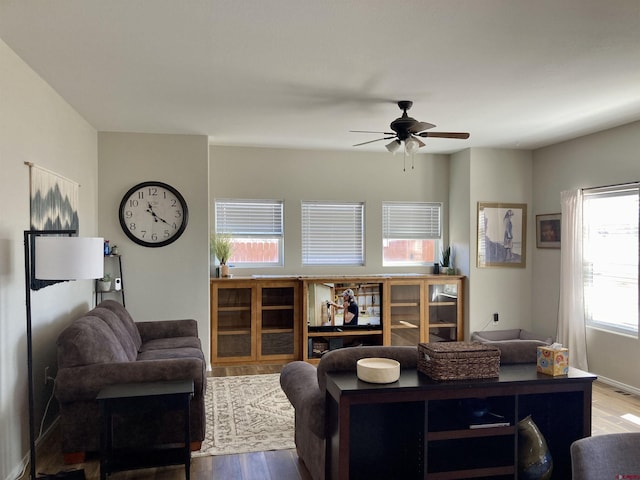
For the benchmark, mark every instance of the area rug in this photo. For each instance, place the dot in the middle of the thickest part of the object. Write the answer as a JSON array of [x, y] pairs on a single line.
[[248, 413]]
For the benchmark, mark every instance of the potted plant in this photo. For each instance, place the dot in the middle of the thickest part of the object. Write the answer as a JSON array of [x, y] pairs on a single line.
[[222, 247], [104, 284], [446, 264]]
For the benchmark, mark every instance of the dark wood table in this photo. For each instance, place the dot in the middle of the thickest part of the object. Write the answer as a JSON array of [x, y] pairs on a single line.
[[130, 398], [419, 428]]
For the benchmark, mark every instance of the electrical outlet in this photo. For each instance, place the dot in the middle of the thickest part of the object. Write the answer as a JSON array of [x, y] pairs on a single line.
[[46, 375], [495, 318]]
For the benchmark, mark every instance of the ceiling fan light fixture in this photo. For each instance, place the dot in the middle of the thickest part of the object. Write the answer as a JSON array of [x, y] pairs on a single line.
[[411, 146], [393, 146]]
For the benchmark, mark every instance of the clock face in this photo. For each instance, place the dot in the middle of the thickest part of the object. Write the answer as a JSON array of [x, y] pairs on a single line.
[[153, 214]]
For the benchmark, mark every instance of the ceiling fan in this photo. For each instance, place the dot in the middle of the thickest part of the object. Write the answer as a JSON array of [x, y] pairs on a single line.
[[407, 130]]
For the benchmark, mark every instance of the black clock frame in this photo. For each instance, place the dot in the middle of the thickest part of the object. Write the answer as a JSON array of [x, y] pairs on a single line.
[[183, 203]]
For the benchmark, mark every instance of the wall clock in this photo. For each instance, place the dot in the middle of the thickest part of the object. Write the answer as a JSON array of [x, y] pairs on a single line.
[[153, 214]]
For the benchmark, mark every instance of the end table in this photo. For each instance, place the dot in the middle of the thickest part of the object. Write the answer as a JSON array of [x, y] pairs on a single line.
[[131, 397]]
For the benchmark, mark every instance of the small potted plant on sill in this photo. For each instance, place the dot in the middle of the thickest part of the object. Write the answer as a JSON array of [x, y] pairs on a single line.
[[446, 264], [104, 284], [222, 247]]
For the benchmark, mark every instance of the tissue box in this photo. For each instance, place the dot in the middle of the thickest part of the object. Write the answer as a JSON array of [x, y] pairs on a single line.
[[553, 361]]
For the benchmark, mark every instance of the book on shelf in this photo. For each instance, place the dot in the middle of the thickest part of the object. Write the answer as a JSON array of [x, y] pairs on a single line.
[[489, 420]]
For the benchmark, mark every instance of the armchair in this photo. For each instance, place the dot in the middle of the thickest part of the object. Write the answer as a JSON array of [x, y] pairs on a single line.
[[616, 455]]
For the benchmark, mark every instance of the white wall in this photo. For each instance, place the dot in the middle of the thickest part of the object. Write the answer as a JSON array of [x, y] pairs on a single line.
[[36, 125], [499, 175], [461, 221], [296, 175], [172, 281], [604, 158]]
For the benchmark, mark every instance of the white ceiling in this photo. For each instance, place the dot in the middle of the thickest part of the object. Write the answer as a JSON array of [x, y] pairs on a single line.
[[302, 73]]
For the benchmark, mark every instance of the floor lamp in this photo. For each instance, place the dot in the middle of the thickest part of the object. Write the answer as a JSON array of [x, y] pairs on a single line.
[[50, 256]]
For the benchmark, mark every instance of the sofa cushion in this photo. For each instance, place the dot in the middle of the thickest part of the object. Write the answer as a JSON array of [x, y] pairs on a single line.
[[175, 342], [125, 318], [167, 353], [87, 341], [119, 329]]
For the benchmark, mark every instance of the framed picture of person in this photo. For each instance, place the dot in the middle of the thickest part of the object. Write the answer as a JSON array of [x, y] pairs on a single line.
[[502, 235], [548, 230]]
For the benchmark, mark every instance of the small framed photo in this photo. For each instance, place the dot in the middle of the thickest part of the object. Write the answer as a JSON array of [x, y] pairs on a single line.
[[548, 230], [502, 234]]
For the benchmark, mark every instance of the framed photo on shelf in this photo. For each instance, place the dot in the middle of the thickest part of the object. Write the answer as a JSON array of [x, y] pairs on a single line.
[[548, 230], [502, 235]]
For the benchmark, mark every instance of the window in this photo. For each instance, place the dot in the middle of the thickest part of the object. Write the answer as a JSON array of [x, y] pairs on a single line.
[[411, 233], [332, 233], [256, 230], [610, 258]]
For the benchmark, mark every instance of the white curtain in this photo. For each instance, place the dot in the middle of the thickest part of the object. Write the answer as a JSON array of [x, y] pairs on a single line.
[[571, 324]]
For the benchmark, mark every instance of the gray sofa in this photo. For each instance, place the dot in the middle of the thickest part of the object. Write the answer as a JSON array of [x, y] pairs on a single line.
[[516, 345], [104, 347], [305, 387]]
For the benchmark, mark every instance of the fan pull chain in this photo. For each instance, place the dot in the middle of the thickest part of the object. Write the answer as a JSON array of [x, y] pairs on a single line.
[[404, 162]]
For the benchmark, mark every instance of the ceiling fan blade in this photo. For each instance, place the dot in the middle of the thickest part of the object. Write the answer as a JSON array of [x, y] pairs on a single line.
[[461, 135], [420, 126], [369, 131], [371, 141]]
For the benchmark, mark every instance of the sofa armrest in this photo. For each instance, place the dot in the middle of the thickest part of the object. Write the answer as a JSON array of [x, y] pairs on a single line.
[[85, 382], [167, 329], [299, 381]]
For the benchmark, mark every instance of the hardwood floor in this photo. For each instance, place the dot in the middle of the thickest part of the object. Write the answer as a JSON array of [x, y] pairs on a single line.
[[614, 411]]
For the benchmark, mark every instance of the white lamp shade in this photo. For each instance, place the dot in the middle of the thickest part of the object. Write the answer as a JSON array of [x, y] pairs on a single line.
[[411, 145], [68, 258], [393, 146]]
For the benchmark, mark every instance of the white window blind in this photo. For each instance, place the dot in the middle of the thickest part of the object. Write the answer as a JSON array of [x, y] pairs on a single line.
[[332, 233], [610, 257], [256, 228], [249, 217], [416, 220]]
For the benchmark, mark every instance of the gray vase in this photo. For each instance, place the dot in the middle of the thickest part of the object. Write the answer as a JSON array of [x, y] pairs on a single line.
[[534, 458]]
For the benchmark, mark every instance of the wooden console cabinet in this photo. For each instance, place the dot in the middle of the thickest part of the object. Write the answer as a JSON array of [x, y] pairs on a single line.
[[424, 309], [254, 321], [261, 320], [415, 428]]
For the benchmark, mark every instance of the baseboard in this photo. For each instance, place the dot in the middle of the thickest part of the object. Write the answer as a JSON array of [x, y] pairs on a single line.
[[620, 386]]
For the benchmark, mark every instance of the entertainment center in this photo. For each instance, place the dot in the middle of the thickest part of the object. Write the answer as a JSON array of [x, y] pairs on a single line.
[[262, 319]]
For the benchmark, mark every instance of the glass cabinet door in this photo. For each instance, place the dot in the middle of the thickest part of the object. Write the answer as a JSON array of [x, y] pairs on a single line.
[[278, 321], [233, 329], [406, 308], [443, 312]]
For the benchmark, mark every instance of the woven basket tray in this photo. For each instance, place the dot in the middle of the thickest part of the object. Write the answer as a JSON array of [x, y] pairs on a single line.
[[458, 360]]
